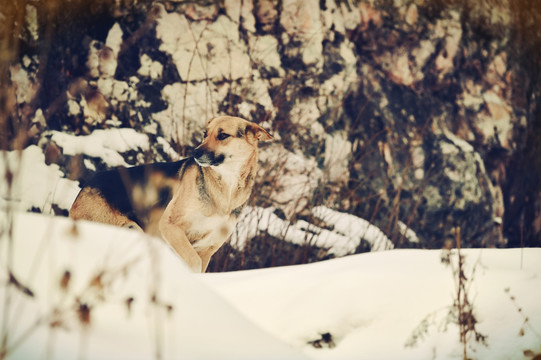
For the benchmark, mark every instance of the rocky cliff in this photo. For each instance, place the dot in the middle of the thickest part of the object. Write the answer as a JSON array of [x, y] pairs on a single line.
[[411, 114]]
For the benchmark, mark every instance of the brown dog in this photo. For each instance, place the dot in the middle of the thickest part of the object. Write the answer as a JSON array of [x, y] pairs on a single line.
[[193, 203]]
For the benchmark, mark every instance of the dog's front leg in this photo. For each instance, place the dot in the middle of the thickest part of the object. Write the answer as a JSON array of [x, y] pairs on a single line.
[[176, 237], [205, 257]]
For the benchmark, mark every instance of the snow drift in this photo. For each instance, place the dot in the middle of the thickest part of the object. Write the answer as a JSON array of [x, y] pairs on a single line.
[[94, 291], [101, 292]]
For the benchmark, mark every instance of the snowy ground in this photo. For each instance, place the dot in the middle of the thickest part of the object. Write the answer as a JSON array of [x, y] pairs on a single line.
[[99, 292], [128, 297], [372, 303]]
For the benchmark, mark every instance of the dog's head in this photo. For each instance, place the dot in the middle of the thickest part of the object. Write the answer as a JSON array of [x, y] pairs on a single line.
[[229, 140]]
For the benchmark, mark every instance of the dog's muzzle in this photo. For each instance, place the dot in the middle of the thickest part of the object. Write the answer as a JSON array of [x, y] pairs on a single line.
[[207, 158]]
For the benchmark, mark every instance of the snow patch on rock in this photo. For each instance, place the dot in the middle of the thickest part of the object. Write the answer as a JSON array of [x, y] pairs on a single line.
[[104, 144]]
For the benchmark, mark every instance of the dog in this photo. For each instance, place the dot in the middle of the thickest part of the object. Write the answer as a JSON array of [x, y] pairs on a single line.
[[194, 203]]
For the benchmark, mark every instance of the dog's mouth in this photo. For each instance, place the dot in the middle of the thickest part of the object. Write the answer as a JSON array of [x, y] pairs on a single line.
[[207, 158]]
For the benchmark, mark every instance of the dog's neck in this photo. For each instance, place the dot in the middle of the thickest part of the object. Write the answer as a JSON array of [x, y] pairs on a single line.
[[235, 182], [229, 176]]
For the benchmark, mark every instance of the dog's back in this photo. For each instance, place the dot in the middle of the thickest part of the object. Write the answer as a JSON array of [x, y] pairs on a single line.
[[130, 196]]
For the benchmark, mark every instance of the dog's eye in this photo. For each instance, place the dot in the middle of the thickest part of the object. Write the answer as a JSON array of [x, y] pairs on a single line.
[[222, 136]]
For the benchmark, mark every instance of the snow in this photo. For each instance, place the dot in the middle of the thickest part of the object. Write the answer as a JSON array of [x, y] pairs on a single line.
[[370, 303], [172, 313], [105, 144], [353, 227], [408, 233], [348, 230], [35, 185]]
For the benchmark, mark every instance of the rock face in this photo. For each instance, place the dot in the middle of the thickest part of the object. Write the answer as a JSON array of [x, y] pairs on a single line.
[[401, 112]]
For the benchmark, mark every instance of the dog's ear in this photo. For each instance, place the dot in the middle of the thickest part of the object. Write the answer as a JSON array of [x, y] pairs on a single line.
[[259, 133]]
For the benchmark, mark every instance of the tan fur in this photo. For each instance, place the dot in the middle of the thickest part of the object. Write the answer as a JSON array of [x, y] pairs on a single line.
[[206, 199], [91, 206]]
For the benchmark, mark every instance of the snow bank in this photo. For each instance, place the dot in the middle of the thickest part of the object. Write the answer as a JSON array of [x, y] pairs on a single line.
[[95, 291], [371, 303], [35, 184], [99, 292]]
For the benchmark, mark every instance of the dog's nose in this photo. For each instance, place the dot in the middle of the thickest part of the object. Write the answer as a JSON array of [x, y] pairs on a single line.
[[197, 153], [203, 157]]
